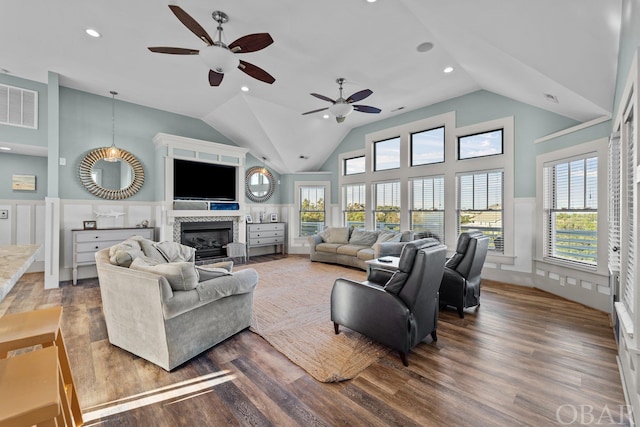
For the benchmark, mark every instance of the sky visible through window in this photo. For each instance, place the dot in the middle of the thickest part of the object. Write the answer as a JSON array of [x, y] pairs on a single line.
[[480, 145], [387, 154], [354, 165], [427, 147]]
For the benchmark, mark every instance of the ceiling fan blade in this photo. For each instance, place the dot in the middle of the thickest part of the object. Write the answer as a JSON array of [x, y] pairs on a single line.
[[324, 98], [315, 111], [251, 43], [359, 96], [191, 24], [174, 50], [215, 78], [366, 109], [256, 72]]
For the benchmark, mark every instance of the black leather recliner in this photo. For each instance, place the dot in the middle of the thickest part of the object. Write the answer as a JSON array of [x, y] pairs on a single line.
[[460, 286], [397, 309]]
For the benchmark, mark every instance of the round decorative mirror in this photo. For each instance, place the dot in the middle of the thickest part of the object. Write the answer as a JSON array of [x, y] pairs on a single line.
[[111, 180], [259, 184]]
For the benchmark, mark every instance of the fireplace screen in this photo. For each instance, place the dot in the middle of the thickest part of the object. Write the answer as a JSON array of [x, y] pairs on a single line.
[[210, 239]]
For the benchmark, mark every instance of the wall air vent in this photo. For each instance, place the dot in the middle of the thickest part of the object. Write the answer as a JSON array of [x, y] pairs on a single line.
[[551, 98], [18, 107]]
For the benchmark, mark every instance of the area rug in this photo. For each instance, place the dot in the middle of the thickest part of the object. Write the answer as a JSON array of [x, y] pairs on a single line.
[[291, 310]]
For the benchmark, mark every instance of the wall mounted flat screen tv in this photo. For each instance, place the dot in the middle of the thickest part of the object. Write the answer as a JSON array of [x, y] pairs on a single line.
[[203, 181]]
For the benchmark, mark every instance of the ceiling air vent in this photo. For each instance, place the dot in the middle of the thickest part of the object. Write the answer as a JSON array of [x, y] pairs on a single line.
[[18, 107]]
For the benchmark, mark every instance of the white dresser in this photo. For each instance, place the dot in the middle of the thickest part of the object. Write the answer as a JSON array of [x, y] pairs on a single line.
[[87, 242], [265, 234]]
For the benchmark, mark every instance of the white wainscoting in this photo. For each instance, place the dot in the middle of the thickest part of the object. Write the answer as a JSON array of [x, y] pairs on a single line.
[[24, 226]]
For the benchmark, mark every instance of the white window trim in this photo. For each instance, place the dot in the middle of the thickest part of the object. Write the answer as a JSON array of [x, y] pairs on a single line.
[[598, 147], [449, 169], [327, 209]]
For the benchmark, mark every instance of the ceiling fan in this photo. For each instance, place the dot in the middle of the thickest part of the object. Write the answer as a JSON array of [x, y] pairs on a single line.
[[219, 57], [341, 107]]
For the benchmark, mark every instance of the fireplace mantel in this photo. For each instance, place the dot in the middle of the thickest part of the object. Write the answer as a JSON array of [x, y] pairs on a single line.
[[169, 147]]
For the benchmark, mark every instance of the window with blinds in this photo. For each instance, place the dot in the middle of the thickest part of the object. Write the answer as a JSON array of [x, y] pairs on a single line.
[[614, 204], [387, 205], [353, 205], [18, 107], [312, 210], [480, 205], [627, 241], [571, 210], [427, 206]]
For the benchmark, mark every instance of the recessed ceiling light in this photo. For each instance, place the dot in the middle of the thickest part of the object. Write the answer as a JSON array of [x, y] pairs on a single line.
[[244, 89], [326, 116], [371, 1], [92, 32], [5, 148], [424, 47], [448, 70]]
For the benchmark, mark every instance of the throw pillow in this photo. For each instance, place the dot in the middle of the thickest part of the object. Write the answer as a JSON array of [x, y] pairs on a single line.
[[363, 238], [211, 273], [182, 276], [148, 248], [124, 253], [337, 235], [397, 281], [173, 251], [389, 236]]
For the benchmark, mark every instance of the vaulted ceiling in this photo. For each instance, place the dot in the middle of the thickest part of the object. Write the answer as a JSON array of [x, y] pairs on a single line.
[[521, 49]]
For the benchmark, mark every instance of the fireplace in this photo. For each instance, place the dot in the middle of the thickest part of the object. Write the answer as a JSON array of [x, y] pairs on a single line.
[[208, 238]]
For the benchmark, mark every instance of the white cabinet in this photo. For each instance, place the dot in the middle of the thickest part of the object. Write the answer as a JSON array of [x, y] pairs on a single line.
[[87, 242], [265, 234]]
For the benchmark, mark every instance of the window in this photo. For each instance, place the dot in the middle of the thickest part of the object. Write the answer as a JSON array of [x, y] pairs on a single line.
[[312, 213], [386, 154], [354, 165], [571, 210], [353, 199], [480, 144], [427, 206], [427, 147], [387, 211], [480, 205]]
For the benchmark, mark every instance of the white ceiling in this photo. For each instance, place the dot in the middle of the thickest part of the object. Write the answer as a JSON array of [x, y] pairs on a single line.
[[521, 49]]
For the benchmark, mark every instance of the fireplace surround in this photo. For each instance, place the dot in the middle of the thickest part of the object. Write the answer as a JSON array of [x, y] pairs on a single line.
[[209, 235]]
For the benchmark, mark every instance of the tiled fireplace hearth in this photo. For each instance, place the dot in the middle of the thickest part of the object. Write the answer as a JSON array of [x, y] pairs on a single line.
[[204, 233]]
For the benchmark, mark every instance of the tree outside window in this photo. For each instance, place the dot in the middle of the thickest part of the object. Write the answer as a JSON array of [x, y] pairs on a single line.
[[312, 210]]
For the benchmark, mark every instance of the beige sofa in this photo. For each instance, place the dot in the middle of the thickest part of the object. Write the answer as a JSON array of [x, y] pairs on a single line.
[[159, 306], [352, 247]]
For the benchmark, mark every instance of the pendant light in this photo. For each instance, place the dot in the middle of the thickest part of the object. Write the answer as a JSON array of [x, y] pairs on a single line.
[[113, 152]]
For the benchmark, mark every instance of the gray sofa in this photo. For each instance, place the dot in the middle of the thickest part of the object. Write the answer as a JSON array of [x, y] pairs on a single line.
[[352, 247], [159, 306]]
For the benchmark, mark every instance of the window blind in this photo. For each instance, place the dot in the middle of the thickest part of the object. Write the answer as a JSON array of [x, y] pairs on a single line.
[[427, 206], [614, 203], [480, 205], [628, 244]]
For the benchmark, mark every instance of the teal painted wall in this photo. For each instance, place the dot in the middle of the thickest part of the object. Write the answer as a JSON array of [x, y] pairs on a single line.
[[278, 192], [85, 124], [17, 164], [530, 123], [288, 182]]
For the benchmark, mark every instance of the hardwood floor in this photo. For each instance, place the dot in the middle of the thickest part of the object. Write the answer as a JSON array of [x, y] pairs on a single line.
[[525, 357]]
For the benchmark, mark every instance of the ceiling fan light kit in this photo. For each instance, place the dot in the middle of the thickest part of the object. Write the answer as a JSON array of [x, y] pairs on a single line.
[[341, 107], [219, 57]]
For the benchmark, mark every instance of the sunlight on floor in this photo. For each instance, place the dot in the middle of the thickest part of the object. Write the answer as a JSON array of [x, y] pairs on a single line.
[[173, 393]]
